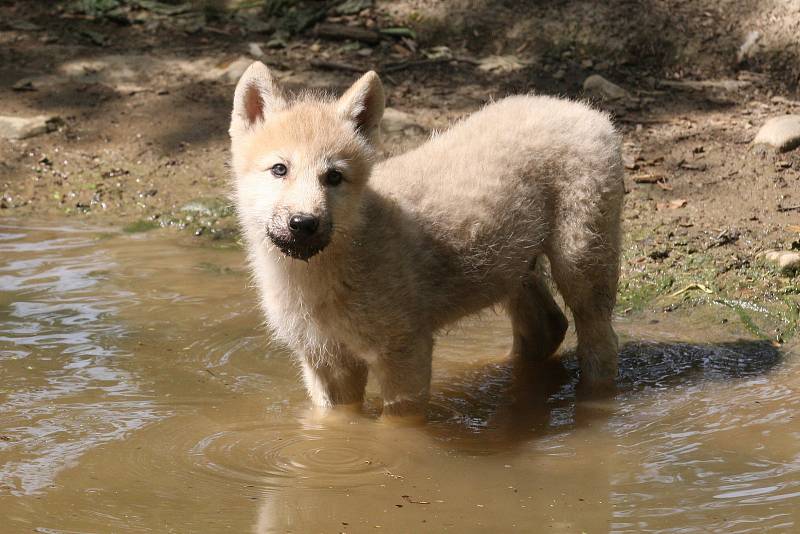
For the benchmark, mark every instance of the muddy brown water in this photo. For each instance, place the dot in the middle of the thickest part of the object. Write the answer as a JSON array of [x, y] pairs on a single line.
[[139, 393]]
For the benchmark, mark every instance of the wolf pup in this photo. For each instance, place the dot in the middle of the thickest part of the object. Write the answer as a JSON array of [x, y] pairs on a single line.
[[359, 263]]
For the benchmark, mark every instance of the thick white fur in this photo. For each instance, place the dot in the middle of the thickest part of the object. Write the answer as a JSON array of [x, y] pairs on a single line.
[[425, 238]]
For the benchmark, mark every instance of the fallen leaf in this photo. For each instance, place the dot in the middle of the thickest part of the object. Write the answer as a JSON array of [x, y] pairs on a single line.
[[693, 166], [508, 63], [649, 178], [438, 52], [692, 287], [664, 186], [672, 204]]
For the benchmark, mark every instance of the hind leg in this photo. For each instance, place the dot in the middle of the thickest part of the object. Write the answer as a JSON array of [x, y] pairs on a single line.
[[538, 324], [588, 284], [584, 256]]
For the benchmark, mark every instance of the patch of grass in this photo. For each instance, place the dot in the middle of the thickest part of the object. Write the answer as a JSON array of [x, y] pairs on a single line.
[[749, 323], [214, 268], [140, 226], [781, 317], [791, 319], [637, 290]]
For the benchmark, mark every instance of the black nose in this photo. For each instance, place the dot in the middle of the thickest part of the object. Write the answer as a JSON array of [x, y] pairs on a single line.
[[303, 225]]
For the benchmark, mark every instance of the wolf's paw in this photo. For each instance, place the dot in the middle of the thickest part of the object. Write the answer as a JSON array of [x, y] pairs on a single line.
[[597, 386], [404, 411], [344, 413]]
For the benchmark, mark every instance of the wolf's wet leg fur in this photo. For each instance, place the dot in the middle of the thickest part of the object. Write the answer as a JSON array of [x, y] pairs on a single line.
[[404, 375], [334, 380], [537, 321], [589, 286]]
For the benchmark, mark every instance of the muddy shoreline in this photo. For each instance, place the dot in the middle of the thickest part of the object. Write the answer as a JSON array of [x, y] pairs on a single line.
[[142, 108]]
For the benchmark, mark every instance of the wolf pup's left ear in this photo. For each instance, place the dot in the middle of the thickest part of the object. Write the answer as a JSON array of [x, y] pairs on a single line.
[[256, 95], [363, 105]]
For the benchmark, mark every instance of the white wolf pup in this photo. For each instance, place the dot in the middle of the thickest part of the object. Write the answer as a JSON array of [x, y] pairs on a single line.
[[360, 263]]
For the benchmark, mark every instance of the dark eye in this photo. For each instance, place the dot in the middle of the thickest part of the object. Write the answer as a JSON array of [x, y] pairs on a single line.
[[333, 177], [279, 169]]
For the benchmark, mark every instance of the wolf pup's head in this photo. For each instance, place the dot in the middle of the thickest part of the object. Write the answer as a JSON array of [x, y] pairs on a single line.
[[301, 164]]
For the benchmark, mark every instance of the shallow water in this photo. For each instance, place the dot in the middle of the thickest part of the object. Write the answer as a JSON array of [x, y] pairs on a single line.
[[139, 393]]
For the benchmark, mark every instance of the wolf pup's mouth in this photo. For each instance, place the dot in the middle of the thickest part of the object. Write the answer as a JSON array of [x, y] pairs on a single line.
[[297, 249]]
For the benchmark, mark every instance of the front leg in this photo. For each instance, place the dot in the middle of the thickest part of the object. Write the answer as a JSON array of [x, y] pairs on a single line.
[[404, 374], [334, 378]]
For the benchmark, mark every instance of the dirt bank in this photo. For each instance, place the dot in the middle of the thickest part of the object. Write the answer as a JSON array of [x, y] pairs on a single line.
[[140, 93]]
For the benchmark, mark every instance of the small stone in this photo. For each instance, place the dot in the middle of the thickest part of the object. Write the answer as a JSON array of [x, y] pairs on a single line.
[[598, 86], [788, 262], [234, 70], [782, 133], [254, 49], [396, 121], [24, 127]]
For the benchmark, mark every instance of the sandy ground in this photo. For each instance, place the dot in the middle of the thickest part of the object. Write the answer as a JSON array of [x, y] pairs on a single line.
[[142, 100]]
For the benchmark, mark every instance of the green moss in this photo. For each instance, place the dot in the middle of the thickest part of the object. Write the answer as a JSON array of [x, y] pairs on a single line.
[[140, 226]]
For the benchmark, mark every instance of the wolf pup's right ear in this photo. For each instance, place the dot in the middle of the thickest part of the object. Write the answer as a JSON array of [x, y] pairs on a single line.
[[256, 95], [363, 105]]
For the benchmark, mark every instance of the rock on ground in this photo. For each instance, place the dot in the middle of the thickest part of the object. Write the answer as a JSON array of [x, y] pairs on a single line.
[[396, 121], [254, 49], [782, 132], [596, 85], [788, 262], [235, 69], [24, 127]]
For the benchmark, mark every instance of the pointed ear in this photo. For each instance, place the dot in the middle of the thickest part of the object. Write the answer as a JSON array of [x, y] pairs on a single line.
[[257, 94], [363, 105]]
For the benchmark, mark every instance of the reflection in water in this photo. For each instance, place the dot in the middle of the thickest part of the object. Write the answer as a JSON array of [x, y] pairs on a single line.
[[138, 392], [58, 352]]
